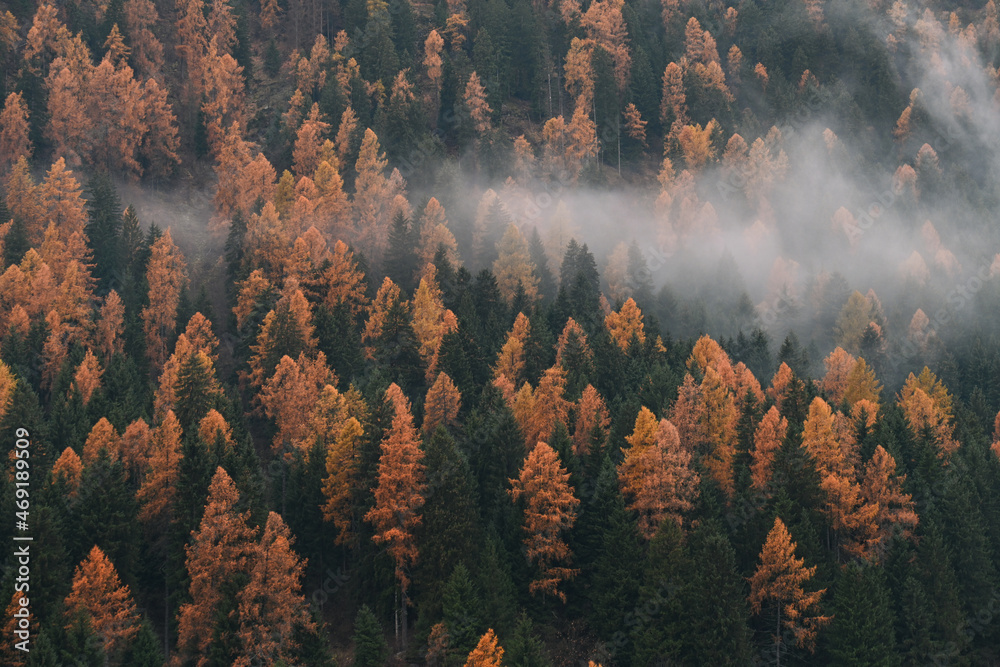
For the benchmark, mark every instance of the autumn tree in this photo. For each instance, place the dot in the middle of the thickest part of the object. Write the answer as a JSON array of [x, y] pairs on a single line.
[[165, 275], [399, 493], [287, 330], [102, 436], [372, 197], [510, 360], [626, 325], [591, 414], [272, 607], [717, 425], [488, 652], [431, 320], [111, 326], [779, 581], [442, 405], [220, 549], [883, 488], [768, 438], [926, 404], [14, 141], [68, 469], [341, 470], [549, 510], [87, 378], [289, 396], [656, 477], [156, 495], [309, 143], [475, 101], [99, 596], [513, 267]]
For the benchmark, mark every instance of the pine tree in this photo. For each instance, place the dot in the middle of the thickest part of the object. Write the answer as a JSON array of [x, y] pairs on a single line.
[[862, 632], [370, 649]]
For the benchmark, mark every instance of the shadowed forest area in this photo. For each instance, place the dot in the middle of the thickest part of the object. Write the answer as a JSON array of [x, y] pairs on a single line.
[[499, 333]]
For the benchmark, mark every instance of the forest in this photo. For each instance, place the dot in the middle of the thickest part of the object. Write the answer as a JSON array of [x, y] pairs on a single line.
[[499, 333]]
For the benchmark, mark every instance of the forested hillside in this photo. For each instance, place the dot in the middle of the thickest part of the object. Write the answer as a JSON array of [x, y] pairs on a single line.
[[499, 333]]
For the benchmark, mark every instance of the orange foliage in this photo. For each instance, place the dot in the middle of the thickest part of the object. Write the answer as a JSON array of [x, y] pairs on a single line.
[[69, 469], [289, 397], [388, 296], [625, 325], [549, 509], [717, 425], [338, 485], [156, 495], [136, 448], [165, 275], [883, 489], [431, 320], [780, 384], [87, 378], [102, 436], [372, 198], [591, 413], [344, 281], [572, 333], [213, 426], [271, 605], [286, 330], [926, 404], [99, 594], [510, 360], [819, 439], [488, 652], [779, 578], [696, 144], [442, 405], [838, 365], [309, 142], [657, 479], [14, 142], [111, 326], [219, 548], [475, 100], [768, 438], [400, 488]]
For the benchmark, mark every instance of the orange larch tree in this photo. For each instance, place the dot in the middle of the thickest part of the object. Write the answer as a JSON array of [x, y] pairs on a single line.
[[819, 439], [214, 429], [717, 424], [165, 275], [309, 143], [219, 550], [111, 326], [549, 510], [147, 51], [510, 360], [572, 336], [99, 595], [223, 93], [87, 378], [779, 580], [156, 495], [591, 414], [399, 493], [69, 469], [344, 281], [550, 406], [136, 448], [442, 405], [780, 384], [657, 479], [289, 397], [625, 325], [102, 436], [488, 652], [14, 142], [431, 320], [926, 405], [339, 483], [372, 197], [767, 439], [475, 101], [838, 365], [287, 330], [882, 488], [513, 266], [272, 607], [387, 298]]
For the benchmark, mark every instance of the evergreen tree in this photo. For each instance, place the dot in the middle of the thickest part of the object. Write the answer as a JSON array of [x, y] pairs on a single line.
[[370, 648], [863, 628]]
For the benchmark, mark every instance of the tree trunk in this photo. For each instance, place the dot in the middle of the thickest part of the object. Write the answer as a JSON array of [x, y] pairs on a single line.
[[405, 615], [777, 639]]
